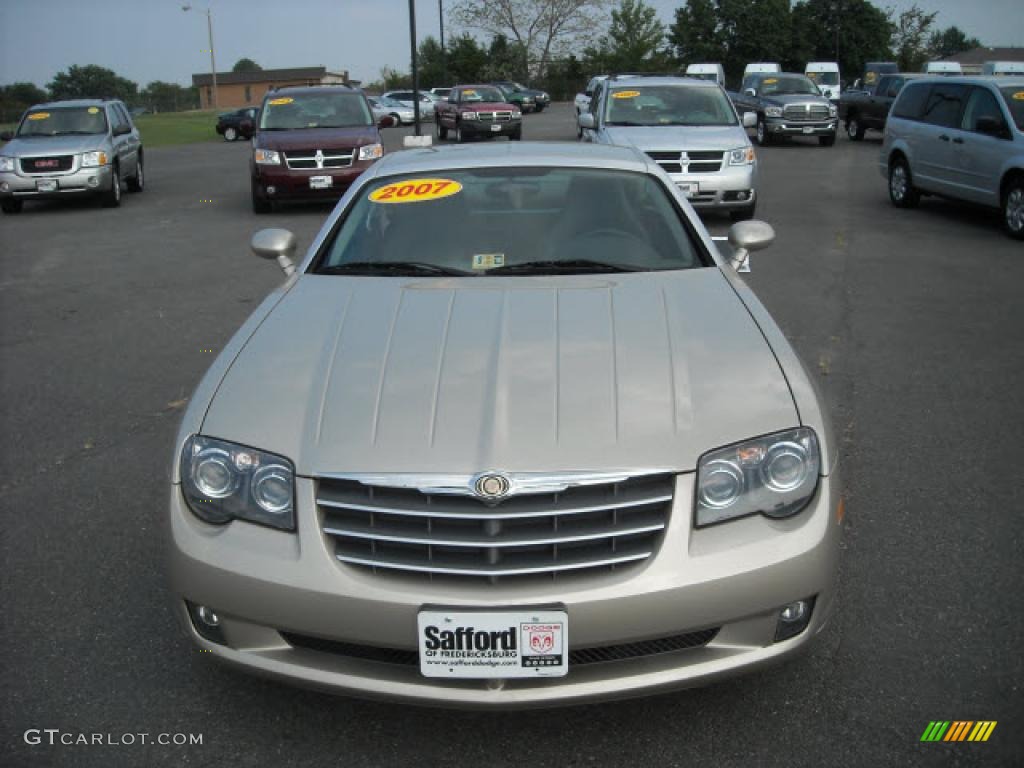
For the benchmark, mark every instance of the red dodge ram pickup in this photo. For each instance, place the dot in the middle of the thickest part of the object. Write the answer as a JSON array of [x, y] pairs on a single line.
[[477, 110]]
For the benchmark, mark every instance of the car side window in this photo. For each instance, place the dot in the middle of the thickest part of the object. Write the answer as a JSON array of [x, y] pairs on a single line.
[[125, 117], [911, 102], [894, 86], [982, 103], [595, 100], [117, 119], [944, 105]]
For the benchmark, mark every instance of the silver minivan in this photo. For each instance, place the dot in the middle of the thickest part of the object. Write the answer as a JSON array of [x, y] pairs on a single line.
[[961, 138], [689, 127]]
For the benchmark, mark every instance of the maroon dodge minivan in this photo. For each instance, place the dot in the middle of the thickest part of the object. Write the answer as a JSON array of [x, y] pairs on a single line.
[[311, 143]]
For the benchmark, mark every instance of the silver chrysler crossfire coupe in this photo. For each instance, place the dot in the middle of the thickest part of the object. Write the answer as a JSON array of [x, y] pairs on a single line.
[[557, 453]]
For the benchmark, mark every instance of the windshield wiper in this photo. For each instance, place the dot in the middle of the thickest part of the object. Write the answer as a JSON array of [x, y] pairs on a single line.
[[561, 265], [386, 267], [630, 124]]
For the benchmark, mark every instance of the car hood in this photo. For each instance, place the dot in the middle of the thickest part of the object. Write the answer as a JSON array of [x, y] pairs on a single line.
[[796, 98], [721, 137], [637, 371], [54, 145], [322, 138]]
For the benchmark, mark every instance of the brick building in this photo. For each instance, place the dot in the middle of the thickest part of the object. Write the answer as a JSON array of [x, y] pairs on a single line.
[[241, 89]]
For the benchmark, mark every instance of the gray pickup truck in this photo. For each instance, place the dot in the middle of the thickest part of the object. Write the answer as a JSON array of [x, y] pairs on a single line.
[[787, 104], [69, 149], [868, 109]]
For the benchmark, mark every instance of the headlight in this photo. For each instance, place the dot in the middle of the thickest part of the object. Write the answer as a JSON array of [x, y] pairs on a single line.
[[773, 476], [773, 111], [516, 114], [94, 159], [267, 157], [832, 111], [468, 115], [223, 481], [371, 152], [6, 165], [741, 156]]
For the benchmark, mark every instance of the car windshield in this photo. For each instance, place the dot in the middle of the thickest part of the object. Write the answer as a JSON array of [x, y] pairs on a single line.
[[703, 75], [63, 121], [321, 110], [785, 85], [669, 105], [482, 94], [1014, 97], [824, 78], [511, 221]]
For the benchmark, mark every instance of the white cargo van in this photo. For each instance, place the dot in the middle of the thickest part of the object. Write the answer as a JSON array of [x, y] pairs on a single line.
[[1003, 68], [761, 66], [943, 68], [707, 72], [825, 75]]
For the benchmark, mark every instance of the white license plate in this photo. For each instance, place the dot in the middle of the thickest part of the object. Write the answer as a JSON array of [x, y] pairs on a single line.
[[496, 129], [489, 644], [320, 182], [46, 185], [688, 189], [808, 129]]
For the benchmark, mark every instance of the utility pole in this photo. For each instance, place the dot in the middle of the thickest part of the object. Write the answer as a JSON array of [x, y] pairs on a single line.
[[213, 63], [444, 53], [415, 69]]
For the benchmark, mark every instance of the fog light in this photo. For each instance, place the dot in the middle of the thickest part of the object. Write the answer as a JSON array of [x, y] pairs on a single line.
[[4, 187], [741, 195], [206, 622], [793, 619], [271, 190], [92, 181]]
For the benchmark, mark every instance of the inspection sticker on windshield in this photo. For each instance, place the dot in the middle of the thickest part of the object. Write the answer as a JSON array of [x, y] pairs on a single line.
[[39, 116], [1018, 96], [488, 260], [280, 101], [502, 644], [416, 191], [625, 94]]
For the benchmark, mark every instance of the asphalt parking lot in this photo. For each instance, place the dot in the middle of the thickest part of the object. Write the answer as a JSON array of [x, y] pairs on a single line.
[[910, 319]]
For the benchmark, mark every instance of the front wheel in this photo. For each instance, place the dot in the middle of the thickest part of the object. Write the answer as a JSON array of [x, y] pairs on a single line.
[[230, 134], [827, 141], [459, 136], [761, 133], [442, 132], [854, 130], [138, 181], [1013, 209], [260, 204], [901, 185], [11, 206], [517, 135], [112, 197]]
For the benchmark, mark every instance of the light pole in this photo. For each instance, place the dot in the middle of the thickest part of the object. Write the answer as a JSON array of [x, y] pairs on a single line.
[[415, 69], [444, 55], [213, 64]]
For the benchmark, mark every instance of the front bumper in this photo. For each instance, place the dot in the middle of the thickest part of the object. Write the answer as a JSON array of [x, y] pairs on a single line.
[[778, 126], [734, 576], [731, 189], [294, 184], [471, 128], [77, 181]]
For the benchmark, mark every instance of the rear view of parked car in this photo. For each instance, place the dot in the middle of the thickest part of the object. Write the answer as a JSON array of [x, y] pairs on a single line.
[[961, 138], [68, 149]]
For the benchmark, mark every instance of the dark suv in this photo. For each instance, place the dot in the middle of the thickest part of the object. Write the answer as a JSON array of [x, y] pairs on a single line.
[[311, 143]]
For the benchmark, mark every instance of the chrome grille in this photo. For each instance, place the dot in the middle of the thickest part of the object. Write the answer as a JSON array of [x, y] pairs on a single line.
[[494, 117], [805, 112], [309, 159], [429, 535], [697, 161], [55, 164]]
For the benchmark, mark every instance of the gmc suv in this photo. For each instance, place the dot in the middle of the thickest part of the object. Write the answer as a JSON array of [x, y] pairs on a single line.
[[311, 143]]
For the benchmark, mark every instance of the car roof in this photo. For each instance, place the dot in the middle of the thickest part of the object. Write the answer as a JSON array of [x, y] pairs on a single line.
[[74, 103], [999, 81], [641, 80], [512, 155], [311, 89]]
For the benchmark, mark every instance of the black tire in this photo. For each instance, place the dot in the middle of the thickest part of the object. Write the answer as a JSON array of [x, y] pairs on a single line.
[[516, 135], [442, 132], [11, 206], [743, 215], [901, 184], [579, 128], [137, 182], [112, 197], [397, 118], [260, 204], [854, 129], [1013, 208], [827, 141], [230, 134], [761, 134], [459, 137], [539, 108]]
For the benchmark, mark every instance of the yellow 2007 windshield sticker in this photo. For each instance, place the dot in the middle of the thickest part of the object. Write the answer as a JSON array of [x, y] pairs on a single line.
[[771, 80], [488, 260], [93, 110], [415, 191], [39, 116], [1018, 96], [625, 94], [469, 93], [280, 101]]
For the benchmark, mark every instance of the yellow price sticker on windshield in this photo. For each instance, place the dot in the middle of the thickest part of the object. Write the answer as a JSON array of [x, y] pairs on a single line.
[[39, 116], [93, 110], [416, 191], [771, 81], [625, 94], [870, 77], [469, 93], [1018, 96], [280, 101]]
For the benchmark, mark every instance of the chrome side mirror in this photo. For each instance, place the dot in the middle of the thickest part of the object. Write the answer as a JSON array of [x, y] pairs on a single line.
[[748, 236], [750, 119], [751, 92], [277, 244], [587, 121]]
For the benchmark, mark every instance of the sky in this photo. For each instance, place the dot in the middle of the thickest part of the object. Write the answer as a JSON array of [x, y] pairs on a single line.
[[155, 40]]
